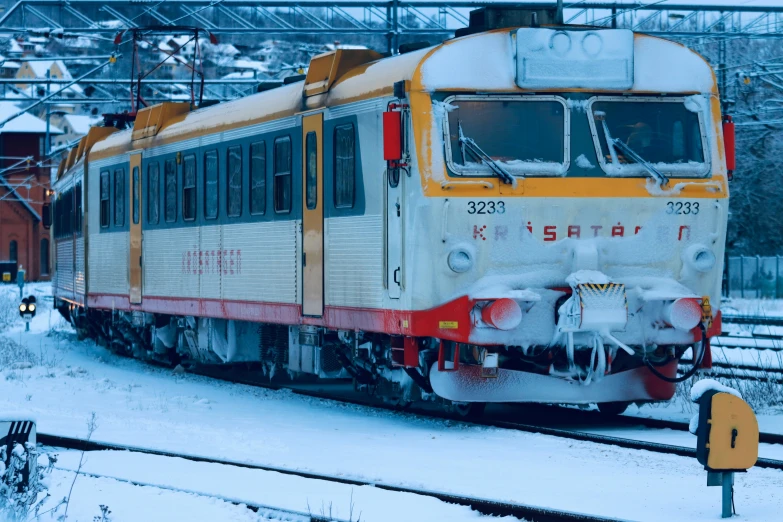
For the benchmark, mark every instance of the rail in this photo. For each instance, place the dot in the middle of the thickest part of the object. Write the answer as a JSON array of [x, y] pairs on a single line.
[[486, 507]]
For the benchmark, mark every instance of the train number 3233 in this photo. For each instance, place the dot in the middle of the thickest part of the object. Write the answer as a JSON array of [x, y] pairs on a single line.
[[486, 207], [682, 207]]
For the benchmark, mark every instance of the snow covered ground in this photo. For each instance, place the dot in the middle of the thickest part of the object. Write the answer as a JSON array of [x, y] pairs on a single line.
[[753, 307], [61, 382]]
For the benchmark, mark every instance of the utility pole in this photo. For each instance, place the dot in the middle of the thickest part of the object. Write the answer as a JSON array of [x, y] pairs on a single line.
[[48, 116]]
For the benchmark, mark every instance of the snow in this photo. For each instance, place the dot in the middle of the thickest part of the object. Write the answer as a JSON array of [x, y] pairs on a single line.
[[266, 488], [704, 385], [131, 503], [26, 122], [484, 60], [659, 67], [81, 124], [154, 407], [587, 276], [655, 189], [583, 163]]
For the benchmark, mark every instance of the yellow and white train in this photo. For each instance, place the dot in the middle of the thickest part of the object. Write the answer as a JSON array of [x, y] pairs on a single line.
[[518, 214]]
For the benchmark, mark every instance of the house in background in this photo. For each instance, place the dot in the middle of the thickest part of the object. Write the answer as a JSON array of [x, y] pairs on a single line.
[[23, 184], [38, 69], [73, 127]]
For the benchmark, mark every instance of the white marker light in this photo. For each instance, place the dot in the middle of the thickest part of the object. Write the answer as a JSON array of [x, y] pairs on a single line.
[[683, 314], [460, 261], [703, 260], [22, 307]]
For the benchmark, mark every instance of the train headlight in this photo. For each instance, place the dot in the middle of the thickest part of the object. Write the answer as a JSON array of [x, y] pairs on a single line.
[[460, 261]]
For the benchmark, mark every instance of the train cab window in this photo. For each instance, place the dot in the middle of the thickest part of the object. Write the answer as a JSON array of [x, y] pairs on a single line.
[[234, 181], [170, 195], [258, 178], [311, 174], [189, 187], [344, 166], [105, 199], [119, 197], [282, 177], [77, 213], [153, 193], [211, 184], [136, 193]]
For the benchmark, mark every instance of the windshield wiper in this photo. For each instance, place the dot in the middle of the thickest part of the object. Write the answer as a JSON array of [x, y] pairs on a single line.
[[478, 152], [628, 151]]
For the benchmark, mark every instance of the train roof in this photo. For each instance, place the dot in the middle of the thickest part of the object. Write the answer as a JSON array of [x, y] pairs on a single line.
[[477, 62]]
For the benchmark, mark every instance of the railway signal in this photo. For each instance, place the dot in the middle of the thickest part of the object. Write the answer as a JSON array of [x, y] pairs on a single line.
[[727, 440], [27, 311]]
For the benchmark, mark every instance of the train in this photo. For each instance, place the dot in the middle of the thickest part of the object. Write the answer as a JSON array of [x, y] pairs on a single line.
[[522, 213]]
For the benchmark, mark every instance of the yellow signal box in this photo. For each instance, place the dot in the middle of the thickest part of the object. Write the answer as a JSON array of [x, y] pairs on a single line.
[[728, 441]]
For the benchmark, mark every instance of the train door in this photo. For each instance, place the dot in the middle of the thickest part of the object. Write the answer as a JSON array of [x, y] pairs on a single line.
[[312, 216], [394, 232], [134, 261]]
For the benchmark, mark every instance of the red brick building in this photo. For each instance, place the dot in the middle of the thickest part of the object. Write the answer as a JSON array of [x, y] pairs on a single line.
[[24, 178]]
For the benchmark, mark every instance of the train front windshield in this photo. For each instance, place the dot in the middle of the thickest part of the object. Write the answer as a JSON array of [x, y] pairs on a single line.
[[569, 134], [663, 133], [520, 134]]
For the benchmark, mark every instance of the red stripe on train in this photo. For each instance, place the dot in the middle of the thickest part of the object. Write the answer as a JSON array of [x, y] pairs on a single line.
[[449, 321]]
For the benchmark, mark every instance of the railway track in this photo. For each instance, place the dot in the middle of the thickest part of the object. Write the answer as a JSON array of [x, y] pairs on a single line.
[[483, 506], [542, 427], [269, 511]]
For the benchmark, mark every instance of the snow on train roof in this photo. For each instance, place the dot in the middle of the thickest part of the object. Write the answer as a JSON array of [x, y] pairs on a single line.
[[282, 101], [481, 61]]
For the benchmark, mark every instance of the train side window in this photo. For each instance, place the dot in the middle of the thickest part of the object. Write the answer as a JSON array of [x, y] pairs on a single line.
[[234, 181], [344, 166], [153, 193], [77, 214], [282, 177], [211, 184], [136, 193], [258, 178], [311, 174], [170, 195], [189, 187], [119, 197], [104, 199]]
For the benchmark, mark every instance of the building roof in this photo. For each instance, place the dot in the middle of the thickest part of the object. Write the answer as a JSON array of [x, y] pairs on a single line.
[[81, 124], [24, 123]]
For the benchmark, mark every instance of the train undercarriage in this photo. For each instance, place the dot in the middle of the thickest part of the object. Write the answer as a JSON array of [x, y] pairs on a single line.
[[379, 364]]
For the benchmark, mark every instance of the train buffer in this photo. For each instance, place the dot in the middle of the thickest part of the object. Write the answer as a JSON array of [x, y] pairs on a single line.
[[727, 437]]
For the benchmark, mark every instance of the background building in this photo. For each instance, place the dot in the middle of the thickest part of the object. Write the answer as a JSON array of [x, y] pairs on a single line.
[[24, 178]]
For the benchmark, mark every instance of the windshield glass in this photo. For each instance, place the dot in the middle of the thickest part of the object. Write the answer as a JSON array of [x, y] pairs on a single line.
[[522, 136], [664, 133]]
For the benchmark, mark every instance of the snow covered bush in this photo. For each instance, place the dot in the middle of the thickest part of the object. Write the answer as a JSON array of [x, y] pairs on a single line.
[[22, 482], [13, 355], [761, 393], [9, 312]]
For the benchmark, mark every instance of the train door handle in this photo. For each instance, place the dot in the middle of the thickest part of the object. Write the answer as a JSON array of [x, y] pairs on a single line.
[[396, 274]]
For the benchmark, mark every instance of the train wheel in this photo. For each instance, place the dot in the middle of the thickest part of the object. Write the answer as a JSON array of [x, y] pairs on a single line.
[[613, 408], [469, 410]]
